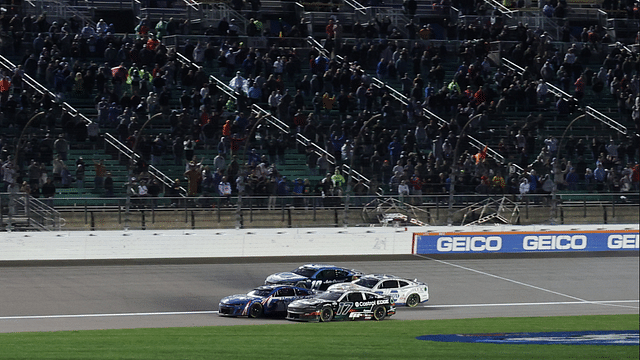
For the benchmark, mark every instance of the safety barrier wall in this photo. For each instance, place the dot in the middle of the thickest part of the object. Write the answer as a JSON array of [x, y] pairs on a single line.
[[548, 240], [238, 243], [213, 243]]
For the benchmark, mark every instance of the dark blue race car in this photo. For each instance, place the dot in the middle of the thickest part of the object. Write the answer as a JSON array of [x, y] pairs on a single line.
[[264, 300], [314, 276]]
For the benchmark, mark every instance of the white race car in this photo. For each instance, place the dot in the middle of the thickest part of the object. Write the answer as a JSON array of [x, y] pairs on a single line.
[[403, 291]]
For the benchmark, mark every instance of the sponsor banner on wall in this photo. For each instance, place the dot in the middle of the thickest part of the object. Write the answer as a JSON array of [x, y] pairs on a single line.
[[523, 242]]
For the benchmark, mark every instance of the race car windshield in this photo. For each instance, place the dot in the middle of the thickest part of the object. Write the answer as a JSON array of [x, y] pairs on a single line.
[[260, 292], [306, 272], [368, 283], [330, 295]]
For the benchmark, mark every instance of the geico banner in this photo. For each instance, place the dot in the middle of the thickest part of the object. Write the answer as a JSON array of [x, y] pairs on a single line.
[[521, 242]]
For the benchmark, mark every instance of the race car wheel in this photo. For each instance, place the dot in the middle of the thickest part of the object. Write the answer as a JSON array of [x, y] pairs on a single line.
[[413, 300], [379, 312], [326, 314], [255, 310]]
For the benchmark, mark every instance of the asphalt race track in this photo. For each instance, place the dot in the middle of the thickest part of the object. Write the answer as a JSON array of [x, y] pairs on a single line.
[[79, 297]]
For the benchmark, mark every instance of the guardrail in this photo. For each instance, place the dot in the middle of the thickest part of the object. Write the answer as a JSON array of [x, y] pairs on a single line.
[[328, 211]]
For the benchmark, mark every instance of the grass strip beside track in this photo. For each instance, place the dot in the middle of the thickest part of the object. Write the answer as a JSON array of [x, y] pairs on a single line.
[[387, 339]]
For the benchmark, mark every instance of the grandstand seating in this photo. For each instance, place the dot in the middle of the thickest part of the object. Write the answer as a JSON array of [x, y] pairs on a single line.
[[496, 131]]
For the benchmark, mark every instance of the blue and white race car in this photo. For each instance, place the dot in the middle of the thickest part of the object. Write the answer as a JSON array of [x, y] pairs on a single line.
[[403, 291], [264, 300], [314, 276]]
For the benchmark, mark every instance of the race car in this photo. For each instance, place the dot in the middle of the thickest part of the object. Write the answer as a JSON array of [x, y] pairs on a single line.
[[342, 305], [403, 291], [314, 276], [263, 300]]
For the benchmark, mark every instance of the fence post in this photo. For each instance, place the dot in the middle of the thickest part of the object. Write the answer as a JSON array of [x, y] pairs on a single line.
[[186, 211], [93, 222], [604, 214], [289, 217], [584, 207], [282, 210], [613, 208], [335, 217], [143, 224], [85, 213], [193, 220], [119, 213]]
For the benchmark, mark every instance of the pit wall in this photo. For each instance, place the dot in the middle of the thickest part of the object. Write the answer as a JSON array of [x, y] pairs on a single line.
[[181, 244]]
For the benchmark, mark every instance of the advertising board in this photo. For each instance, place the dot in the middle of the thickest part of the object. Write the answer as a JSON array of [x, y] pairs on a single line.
[[523, 242]]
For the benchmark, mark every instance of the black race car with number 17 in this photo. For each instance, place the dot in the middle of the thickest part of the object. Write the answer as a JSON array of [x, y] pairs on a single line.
[[342, 305]]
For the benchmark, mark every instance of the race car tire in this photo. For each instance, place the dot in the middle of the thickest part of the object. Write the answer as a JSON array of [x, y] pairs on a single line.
[[326, 314], [302, 284], [379, 312], [256, 310], [413, 300]]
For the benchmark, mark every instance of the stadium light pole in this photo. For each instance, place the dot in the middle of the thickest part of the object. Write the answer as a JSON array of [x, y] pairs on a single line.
[[350, 174], [132, 160], [554, 192], [22, 133], [454, 172], [239, 222], [16, 162]]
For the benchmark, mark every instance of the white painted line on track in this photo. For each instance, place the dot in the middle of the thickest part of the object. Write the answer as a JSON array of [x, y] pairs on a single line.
[[519, 282], [205, 312], [538, 304], [502, 278], [27, 317]]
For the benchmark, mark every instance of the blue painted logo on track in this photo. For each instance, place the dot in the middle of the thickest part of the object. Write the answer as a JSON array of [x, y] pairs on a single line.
[[623, 337]]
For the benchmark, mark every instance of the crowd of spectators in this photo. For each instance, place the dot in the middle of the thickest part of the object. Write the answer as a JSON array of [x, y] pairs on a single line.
[[330, 100]]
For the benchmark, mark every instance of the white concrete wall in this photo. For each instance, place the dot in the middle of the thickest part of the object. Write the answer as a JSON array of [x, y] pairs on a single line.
[[149, 244]]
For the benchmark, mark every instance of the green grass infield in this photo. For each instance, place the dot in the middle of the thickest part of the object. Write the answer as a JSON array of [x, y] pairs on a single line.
[[387, 339]]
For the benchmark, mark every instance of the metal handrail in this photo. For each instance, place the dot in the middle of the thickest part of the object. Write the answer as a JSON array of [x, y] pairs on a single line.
[[606, 120], [304, 141], [561, 94], [35, 85], [503, 9], [126, 151], [271, 119], [473, 141], [37, 214], [314, 43]]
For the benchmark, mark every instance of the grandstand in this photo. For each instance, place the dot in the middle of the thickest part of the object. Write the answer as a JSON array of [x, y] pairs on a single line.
[[498, 99]]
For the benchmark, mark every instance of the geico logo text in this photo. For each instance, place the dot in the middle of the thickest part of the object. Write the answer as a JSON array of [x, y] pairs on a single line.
[[627, 241], [469, 243], [554, 242]]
